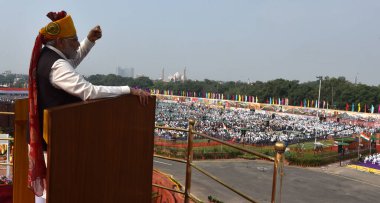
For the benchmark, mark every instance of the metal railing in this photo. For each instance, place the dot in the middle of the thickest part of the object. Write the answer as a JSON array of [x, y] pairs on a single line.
[[277, 172]]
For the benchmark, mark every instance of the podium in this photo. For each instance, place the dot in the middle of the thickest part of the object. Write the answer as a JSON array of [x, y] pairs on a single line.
[[100, 151]]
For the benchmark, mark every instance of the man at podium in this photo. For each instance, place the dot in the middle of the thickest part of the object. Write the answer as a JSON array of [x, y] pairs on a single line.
[[53, 81]]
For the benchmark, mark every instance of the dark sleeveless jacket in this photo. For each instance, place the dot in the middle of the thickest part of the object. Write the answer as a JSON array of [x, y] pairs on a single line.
[[48, 95]]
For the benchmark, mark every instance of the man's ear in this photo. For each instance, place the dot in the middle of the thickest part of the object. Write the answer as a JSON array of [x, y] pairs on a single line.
[[59, 42]]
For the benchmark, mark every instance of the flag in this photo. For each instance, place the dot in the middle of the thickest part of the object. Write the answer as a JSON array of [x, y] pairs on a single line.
[[364, 136], [224, 126], [372, 108], [358, 107], [347, 106], [353, 107]]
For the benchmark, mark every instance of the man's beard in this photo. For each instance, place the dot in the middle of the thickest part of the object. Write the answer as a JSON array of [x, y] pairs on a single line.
[[70, 53]]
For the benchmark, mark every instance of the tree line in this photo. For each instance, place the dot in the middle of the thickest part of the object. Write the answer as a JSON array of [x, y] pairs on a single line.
[[338, 92], [13, 80]]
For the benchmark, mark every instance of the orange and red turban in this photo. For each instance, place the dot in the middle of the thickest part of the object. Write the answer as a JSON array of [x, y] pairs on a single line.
[[62, 26]]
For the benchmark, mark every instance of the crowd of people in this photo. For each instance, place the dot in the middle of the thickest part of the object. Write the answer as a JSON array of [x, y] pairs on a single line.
[[10, 98], [373, 159], [248, 126]]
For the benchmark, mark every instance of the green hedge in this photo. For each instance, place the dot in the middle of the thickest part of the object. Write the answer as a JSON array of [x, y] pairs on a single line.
[[218, 152], [309, 159], [345, 139], [213, 152]]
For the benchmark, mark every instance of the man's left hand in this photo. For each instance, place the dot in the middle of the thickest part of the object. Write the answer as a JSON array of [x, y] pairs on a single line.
[[143, 95]]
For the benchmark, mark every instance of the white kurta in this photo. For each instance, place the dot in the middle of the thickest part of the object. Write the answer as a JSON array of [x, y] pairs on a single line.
[[64, 76]]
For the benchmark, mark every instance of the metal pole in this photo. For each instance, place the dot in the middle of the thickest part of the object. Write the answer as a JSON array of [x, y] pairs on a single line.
[[370, 143], [189, 160], [278, 164], [8, 157], [359, 147], [319, 92], [332, 96], [341, 153], [221, 147]]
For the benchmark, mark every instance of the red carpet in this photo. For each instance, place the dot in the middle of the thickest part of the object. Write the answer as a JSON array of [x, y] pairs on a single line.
[[6, 193], [162, 195]]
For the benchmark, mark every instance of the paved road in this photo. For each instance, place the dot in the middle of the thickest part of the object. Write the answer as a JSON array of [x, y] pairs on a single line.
[[254, 178]]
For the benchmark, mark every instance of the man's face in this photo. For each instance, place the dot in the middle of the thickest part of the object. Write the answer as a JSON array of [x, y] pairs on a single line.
[[70, 47]]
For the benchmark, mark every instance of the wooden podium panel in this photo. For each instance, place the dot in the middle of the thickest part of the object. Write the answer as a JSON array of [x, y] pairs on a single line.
[[21, 193], [100, 151]]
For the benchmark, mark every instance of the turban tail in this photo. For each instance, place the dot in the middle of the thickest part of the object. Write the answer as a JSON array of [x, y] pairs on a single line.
[[62, 26], [37, 168]]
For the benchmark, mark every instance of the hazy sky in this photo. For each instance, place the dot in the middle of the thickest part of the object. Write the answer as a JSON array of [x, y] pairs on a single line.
[[215, 39]]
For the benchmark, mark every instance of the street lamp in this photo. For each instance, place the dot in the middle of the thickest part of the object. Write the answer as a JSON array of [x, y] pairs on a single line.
[[243, 131], [319, 92]]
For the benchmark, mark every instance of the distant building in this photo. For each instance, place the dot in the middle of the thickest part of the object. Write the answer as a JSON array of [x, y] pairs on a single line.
[[162, 75], [141, 75], [125, 72], [178, 76], [7, 72]]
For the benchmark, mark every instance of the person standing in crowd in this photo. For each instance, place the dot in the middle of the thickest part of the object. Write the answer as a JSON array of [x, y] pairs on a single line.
[[53, 81]]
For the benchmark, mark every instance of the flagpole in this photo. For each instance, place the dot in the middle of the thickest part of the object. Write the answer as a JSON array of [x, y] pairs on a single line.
[[319, 93], [370, 143], [359, 146], [341, 153]]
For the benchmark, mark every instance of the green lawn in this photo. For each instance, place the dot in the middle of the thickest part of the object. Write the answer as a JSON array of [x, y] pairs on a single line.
[[310, 145]]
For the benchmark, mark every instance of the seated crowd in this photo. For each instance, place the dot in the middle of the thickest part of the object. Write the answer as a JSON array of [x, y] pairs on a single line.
[[245, 125], [373, 159]]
